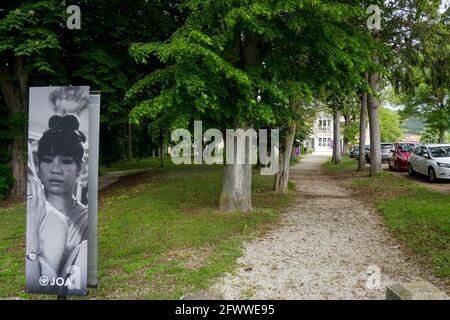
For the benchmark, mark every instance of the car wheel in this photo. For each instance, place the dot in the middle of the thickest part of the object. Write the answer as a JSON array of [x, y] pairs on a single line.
[[411, 171], [396, 167], [431, 175]]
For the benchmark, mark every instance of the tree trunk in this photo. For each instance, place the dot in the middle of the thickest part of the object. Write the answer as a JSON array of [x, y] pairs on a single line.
[[337, 155], [282, 176], [161, 146], [15, 94], [237, 179], [237, 184], [362, 132], [374, 125], [293, 153], [236, 188], [130, 141], [346, 141], [442, 135]]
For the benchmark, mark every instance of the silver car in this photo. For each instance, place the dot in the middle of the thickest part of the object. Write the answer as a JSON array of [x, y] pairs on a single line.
[[432, 160], [385, 150]]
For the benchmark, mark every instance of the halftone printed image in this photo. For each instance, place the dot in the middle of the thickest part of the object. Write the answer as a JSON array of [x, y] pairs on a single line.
[[57, 189]]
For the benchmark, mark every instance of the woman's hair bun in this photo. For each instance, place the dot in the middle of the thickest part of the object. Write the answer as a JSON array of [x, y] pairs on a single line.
[[67, 123], [70, 122], [55, 122]]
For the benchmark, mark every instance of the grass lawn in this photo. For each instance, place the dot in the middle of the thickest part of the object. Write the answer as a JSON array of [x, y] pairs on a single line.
[[160, 234], [417, 215], [144, 163]]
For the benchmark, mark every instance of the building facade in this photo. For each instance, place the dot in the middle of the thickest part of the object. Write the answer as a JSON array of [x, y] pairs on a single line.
[[321, 138]]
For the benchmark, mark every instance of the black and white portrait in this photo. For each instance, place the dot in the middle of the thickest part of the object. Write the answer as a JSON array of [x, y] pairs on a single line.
[[57, 204]]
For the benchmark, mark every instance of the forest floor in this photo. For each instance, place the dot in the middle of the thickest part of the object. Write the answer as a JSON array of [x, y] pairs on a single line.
[[331, 244]]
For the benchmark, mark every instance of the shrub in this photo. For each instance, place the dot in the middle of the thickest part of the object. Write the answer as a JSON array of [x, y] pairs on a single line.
[[6, 180]]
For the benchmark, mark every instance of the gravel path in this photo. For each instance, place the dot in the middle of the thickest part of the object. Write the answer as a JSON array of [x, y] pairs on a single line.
[[323, 248]]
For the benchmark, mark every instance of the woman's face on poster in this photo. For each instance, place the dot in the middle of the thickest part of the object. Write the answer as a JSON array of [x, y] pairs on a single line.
[[58, 173]]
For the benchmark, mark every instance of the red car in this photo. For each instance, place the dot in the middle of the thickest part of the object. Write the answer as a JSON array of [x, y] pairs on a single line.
[[399, 155]]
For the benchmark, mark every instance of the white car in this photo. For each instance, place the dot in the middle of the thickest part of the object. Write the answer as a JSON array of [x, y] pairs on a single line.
[[432, 160]]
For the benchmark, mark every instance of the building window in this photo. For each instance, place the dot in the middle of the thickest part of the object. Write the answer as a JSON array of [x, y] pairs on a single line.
[[324, 126]]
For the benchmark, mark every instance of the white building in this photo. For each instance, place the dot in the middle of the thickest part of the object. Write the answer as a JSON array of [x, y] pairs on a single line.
[[321, 138]]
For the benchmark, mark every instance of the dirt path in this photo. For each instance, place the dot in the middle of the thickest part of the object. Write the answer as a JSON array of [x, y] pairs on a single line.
[[322, 250], [109, 178]]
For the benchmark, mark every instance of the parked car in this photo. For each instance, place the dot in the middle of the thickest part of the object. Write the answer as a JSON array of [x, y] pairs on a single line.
[[399, 155], [366, 151], [385, 149], [432, 160], [354, 152], [367, 154]]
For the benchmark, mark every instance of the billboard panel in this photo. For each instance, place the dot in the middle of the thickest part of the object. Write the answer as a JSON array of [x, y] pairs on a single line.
[[57, 191]]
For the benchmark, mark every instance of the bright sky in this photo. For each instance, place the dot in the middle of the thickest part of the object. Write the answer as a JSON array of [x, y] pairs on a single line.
[[445, 5]]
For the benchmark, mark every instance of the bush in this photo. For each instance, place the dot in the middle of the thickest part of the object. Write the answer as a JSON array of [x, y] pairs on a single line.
[[6, 180]]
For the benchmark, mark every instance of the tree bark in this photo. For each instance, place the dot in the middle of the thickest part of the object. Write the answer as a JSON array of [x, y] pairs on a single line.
[[374, 125], [282, 176], [442, 135], [130, 141], [346, 141], [362, 132], [337, 155], [14, 89], [293, 153], [161, 146], [237, 184]]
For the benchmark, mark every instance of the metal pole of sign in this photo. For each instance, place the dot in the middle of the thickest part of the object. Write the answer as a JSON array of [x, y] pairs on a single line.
[[94, 131]]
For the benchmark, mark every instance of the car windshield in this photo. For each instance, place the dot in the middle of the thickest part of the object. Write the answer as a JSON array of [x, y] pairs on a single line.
[[385, 146], [440, 152], [406, 147]]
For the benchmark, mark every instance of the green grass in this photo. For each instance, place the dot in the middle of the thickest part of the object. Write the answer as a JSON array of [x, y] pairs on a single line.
[[346, 165], [144, 163], [158, 239], [417, 215]]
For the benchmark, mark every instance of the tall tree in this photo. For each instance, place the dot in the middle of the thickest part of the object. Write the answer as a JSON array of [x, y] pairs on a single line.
[[350, 112], [362, 130], [390, 125], [29, 43], [337, 153], [421, 69], [374, 121], [92, 59], [230, 57]]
